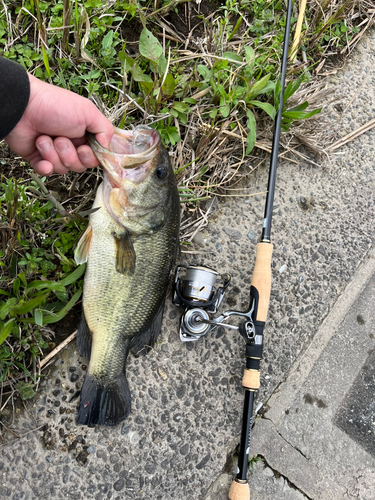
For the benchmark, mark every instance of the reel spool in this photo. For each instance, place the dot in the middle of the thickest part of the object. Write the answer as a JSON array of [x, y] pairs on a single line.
[[197, 292], [199, 283]]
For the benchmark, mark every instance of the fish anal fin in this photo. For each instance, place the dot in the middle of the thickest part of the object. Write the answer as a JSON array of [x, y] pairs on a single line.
[[142, 343], [84, 338], [82, 250], [125, 254]]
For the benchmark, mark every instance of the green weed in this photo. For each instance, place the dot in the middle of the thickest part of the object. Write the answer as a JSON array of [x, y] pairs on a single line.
[[253, 461], [39, 282]]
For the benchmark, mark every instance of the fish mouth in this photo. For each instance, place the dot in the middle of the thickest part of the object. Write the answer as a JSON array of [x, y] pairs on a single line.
[[128, 148]]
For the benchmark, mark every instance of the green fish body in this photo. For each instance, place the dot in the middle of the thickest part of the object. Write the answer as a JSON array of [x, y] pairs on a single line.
[[130, 247]]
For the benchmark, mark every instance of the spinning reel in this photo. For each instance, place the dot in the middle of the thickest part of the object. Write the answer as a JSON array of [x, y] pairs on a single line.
[[196, 292]]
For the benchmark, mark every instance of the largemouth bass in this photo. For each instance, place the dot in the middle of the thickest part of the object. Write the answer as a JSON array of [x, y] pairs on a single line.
[[130, 247]]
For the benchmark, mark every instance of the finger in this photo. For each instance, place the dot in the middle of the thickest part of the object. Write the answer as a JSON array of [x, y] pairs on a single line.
[[87, 157], [99, 125], [79, 141], [47, 150], [68, 154], [41, 167]]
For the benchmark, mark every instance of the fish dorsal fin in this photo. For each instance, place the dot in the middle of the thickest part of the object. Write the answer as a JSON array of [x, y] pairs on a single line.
[[82, 250], [125, 254]]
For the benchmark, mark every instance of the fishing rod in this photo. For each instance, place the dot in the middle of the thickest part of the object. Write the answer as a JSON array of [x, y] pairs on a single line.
[[196, 291], [260, 292]]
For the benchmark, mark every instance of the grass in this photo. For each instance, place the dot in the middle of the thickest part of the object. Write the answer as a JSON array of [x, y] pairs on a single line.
[[206, 79]]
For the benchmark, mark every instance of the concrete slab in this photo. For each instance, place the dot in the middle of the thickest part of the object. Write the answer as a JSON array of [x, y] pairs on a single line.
[[317, 432]]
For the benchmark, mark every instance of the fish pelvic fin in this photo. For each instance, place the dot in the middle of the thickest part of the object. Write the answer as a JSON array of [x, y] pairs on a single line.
[[84, 338], [82, 249], [142, 343], [125, 254], [106, 403]]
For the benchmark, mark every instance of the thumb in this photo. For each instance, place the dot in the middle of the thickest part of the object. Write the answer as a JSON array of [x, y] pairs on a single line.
[[104, 138], [99, 125]]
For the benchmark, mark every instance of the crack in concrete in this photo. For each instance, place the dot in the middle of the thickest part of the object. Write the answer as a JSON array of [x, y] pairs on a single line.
[[286, 479], [283, 438]]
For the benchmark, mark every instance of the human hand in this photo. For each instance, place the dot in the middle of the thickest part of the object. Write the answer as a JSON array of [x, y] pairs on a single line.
[[51, 134]]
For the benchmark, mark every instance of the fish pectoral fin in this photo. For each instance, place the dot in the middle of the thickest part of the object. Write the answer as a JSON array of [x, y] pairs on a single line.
[[142, 343], [125, 254], [82, 250]]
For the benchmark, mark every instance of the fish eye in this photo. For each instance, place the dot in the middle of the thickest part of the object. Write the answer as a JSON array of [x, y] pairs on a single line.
[[161, 172]]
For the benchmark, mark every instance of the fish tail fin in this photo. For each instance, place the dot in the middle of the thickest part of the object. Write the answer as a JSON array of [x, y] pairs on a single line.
[[105, 403]]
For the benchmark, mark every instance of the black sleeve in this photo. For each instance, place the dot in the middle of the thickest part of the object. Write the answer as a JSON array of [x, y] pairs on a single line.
[[14, 95]]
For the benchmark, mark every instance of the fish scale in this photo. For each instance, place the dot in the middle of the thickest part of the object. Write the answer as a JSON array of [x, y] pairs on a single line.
[[126, 313]]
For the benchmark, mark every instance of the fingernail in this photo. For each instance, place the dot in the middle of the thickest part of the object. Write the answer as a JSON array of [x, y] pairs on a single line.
[[44, 146], [83, 155], [61, 147]]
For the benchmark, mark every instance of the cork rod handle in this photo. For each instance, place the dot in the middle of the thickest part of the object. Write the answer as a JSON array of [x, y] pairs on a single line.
[[261, 279], [239, 491]]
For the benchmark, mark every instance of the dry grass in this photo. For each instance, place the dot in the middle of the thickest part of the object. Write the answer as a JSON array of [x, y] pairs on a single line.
[[217, 149]]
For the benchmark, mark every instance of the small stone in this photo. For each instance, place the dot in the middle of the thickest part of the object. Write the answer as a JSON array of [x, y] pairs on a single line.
[[321, 250], [91, 449], [125, 429], [164, 417], [150, 468], [252, 235], [134, 437], [203, 462], [199, 239], [162, 373], [102, 454], [282, 268], [181, 391], [114, 459], [74, 377], [232, 233], [184, 449], [119, 485], [152, 393]]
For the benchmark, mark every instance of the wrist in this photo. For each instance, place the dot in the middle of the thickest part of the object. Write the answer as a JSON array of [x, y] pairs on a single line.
[[14, 95], [36, 86]]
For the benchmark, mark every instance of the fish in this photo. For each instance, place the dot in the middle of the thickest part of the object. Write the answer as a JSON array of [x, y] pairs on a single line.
[[130, 247]]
